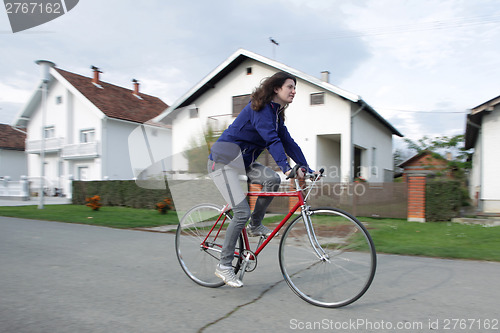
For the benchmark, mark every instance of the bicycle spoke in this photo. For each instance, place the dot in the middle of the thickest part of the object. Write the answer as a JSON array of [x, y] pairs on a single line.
[[198, 245], [345, 272]]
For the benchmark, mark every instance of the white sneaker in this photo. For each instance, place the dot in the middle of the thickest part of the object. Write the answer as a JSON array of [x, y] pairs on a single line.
[[259, 230], [228, 276]]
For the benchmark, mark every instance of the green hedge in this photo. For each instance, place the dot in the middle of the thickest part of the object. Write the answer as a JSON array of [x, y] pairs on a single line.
[[443, 199], [118, 193]]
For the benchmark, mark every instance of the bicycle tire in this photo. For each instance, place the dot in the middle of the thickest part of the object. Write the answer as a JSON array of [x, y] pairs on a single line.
[[351, 264], [199, 260]]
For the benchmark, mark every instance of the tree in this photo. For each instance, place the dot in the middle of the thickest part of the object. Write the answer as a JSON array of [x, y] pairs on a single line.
[[451, 149], [199, 149]]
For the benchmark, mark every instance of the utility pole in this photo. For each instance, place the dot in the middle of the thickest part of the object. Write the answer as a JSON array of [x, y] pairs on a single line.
[[45, 67]]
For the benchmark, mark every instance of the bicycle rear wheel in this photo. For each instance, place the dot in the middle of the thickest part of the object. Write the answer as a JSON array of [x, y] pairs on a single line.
[[342, 273], [198, 246]]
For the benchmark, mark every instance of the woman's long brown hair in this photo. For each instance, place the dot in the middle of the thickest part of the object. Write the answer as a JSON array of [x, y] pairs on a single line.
[[264, 94]]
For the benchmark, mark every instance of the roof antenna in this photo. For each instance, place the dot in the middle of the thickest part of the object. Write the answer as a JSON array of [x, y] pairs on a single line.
[[275, 43]]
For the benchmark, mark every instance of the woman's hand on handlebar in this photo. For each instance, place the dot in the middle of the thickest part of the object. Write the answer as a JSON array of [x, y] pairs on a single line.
[[301, 173], [316, 173], [295, 172]]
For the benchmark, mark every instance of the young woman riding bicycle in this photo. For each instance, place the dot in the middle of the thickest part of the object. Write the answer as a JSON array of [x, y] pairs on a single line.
[[259, 126]]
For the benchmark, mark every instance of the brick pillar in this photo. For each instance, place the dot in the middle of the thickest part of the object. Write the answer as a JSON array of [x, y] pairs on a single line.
[[252, 200], [416, 197]]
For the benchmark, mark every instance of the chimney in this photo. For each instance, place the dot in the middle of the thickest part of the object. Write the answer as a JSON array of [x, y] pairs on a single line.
[[96, 70], [45, 66], [325, 76], [136, 86]]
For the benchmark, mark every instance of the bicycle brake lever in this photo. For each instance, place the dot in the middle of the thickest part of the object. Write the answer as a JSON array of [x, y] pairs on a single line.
[[293, 172]]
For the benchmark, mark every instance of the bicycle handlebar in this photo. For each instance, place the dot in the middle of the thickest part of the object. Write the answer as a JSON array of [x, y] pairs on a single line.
[[293, 172]]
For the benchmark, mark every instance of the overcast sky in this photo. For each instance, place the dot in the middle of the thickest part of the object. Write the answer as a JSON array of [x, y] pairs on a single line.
[[420, 63]]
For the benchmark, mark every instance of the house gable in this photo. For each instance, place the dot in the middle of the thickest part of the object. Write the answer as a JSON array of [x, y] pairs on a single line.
[[423, 162], [239, 57]]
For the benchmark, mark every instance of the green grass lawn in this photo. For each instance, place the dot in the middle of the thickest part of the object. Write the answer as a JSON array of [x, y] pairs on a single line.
[[435, 239], [397, 236], [432, 239], [114, 217]]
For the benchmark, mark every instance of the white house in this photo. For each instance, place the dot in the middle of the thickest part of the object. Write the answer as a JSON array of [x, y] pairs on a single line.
[[483, 134], [12, 157], [85, 129], [336, 129]]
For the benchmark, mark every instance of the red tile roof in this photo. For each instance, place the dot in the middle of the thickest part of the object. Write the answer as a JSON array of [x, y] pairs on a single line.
[[116, 102], [424, 161], [10, 138]]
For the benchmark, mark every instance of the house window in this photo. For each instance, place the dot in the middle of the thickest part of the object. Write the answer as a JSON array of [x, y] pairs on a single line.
[[249, 70], [49, 132], [59, 100], [239, 102], [193, 113], [357, 162], [87, 135], [318, 98]]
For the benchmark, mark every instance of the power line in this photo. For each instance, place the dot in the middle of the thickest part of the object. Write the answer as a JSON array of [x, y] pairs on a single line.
[[414, 27], [422, 111]]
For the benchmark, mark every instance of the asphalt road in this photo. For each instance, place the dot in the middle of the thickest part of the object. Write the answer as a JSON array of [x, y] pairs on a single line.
[[58, 277]]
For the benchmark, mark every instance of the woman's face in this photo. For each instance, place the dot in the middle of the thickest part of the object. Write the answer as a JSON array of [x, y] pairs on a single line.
[[286, 93]]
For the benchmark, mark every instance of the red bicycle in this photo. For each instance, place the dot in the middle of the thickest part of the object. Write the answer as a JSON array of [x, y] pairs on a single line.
[[326, 255]]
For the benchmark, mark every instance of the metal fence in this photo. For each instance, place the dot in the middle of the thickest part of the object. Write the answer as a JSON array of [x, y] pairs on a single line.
[[14, 189], [388, 200]]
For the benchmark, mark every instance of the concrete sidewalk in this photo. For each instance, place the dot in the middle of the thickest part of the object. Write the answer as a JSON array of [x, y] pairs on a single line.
[[35, 201]]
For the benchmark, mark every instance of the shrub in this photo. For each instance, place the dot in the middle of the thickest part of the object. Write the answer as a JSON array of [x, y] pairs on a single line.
[[94, 202], [164, 206], [118, 193], [443, 199]]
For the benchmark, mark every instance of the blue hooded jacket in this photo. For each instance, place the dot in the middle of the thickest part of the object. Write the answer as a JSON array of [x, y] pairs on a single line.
[[253, 131]]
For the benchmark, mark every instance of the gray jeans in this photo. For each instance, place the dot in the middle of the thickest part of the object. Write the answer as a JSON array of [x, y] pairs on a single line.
[[228, 182]]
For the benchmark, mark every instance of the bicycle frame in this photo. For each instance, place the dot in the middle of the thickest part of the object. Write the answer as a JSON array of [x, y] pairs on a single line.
[[301, 203]]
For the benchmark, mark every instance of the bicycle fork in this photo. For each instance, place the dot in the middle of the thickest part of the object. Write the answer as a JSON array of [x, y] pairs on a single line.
[[313, 240]]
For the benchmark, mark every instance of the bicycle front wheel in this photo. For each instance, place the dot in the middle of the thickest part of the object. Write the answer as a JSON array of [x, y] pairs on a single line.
[[335, 266], [198, 243]]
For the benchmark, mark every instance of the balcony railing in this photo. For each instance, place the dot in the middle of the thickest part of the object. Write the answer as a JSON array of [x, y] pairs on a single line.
[[80, 150], [51, 145], [68, 151]]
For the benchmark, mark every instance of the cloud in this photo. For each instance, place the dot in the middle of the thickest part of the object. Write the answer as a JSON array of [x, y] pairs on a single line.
[[13, 94], [8, 111], [398, 55], [427, 57]]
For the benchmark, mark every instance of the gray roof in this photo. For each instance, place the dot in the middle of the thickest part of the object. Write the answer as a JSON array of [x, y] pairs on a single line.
[[475, 121]]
